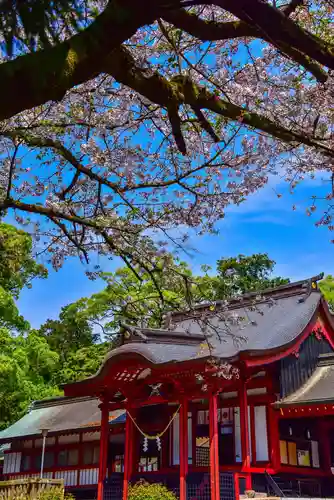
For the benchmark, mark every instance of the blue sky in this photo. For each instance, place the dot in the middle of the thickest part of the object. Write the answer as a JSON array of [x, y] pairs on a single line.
[[264, 223]]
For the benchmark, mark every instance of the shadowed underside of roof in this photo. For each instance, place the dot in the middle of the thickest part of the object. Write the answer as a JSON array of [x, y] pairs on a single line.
[[318, 389], [60, 414]]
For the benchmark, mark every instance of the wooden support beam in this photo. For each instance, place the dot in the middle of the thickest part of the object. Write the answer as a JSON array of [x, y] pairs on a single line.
[[183, 449], [104, 442], [325, 449], [128, 458], [273, 435], [244, 429], [214, 455], [194, 431], [236, 486]]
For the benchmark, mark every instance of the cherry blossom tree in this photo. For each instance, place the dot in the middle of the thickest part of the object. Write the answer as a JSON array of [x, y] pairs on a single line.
[[158, 115]]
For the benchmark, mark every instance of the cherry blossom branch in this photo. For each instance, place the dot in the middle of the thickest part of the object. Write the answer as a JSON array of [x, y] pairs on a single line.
[[214, 31], [181, 90], [276, 26], [69, 236], [56, 216]]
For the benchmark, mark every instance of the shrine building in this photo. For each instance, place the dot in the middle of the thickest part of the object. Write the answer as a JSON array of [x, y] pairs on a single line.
[[226, 398]]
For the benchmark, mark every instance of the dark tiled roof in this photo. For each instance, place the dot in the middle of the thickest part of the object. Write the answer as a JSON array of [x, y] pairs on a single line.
[[271, 321], [318, 389], [60, 414], [278, 318], [267, 326]]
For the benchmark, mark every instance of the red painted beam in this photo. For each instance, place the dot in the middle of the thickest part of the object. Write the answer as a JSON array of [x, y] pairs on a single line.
[[183, 449], [312, 410], [273, 437], [104, 441], [214, 455], [128, 456], [244, 429]]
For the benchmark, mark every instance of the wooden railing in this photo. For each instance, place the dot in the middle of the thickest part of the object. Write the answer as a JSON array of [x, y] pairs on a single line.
[[17, 489], [71, 477]]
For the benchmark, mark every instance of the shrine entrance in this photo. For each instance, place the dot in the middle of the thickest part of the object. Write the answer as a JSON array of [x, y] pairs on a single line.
[[176, 432], [156, 451]]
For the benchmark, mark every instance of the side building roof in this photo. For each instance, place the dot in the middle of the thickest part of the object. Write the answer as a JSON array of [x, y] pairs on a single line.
[[60, 414], [318, 389]]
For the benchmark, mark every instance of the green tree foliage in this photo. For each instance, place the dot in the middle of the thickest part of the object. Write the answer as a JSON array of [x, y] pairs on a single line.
[[27, 365], [17, 266], [68, 333], [145, 300], [26, 360], [17, 270], [72, 337], [82, 363], [327, 287], [136, 300], [242, 274]]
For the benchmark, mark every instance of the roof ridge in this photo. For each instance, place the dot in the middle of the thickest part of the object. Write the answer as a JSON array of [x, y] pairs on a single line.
[[59, 400], [302, 286]]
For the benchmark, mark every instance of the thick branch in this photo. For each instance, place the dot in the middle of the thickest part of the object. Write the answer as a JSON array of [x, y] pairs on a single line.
[[57, 146], [182, 91], [48, 212], [33, 79], [292, 6], [214, 31], [277, 27], [169, 94], [57, 216]]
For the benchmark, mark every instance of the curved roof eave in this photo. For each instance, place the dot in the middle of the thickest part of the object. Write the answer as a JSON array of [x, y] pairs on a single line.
[[266, 356], [252, 357], [134, 351]]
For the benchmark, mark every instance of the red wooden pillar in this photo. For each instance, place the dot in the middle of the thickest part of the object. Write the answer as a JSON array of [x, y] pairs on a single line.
[[273, 434], [244, 429], [183, 449], [193, 430], [128, 458], [104, 441], [236, 486], [214, 455]]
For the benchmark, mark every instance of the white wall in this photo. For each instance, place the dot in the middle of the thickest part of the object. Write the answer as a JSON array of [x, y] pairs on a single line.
[[12, 462], [261, 433]]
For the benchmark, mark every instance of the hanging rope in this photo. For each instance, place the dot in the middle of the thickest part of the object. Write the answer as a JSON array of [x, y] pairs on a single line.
[[160, 434]]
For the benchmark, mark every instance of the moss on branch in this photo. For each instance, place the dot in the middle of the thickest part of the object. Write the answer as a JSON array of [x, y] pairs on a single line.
[[33, 79]]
